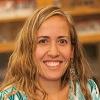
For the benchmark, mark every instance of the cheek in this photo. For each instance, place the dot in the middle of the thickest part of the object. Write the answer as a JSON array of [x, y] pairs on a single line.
[[66, 52], [39, 53]]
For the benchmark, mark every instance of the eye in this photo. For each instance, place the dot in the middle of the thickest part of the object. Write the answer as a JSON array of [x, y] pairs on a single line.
[[43, 41], [63, 41]]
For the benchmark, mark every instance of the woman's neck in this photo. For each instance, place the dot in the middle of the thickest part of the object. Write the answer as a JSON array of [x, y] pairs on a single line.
[[54, 89], [50, 86]]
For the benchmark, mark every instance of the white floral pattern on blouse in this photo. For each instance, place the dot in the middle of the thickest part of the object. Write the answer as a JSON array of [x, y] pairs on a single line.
[[79, 95]]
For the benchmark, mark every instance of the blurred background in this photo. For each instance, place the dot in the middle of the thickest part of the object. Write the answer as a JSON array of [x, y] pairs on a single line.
[[86, 14]]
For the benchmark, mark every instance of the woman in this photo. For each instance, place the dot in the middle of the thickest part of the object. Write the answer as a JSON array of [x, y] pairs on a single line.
[[48, 63]]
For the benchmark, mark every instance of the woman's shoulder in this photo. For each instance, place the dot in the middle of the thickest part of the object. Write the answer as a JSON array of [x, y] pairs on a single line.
[[12, 94], [93, 89]]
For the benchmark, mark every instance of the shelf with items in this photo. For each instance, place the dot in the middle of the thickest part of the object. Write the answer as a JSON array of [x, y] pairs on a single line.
[[22, 14], [15, 15], [84, 39]]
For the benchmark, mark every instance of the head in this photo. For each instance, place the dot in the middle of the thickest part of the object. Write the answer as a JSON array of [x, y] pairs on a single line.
[[47, 40]]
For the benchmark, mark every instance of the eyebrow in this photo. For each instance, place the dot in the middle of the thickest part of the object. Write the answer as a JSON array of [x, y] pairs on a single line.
[[58, 37], [64, 37], [43, 37]]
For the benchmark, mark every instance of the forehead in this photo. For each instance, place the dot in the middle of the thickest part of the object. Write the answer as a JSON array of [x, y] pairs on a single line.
[[55, 19], [54, 25]]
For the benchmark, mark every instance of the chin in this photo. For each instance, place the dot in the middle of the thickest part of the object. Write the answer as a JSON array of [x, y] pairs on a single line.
[[51, 77]]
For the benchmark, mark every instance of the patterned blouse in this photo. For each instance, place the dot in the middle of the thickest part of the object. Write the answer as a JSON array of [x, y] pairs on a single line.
[[79, 95]]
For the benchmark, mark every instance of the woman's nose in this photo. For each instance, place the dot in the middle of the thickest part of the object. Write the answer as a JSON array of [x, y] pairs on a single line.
[[53, 50]]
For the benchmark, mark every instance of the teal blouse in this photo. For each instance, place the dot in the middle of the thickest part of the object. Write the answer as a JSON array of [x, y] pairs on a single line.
[[79, 95]]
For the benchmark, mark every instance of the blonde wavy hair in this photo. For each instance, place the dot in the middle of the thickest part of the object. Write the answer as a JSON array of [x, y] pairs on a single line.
[[22, 70]]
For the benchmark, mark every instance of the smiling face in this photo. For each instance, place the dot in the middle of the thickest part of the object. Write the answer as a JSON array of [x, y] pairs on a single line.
[[53, 49]]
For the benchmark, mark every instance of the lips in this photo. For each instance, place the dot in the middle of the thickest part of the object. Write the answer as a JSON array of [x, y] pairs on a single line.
[[52, 64]]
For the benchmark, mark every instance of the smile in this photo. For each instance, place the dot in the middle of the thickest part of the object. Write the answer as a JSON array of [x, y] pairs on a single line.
[[52, 63]]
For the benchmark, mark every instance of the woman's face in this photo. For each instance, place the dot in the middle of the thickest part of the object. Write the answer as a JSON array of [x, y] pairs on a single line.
[[53, 49]]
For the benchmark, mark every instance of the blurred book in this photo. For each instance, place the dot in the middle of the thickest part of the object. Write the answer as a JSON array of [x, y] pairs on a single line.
[[88, 26], [6, 5]]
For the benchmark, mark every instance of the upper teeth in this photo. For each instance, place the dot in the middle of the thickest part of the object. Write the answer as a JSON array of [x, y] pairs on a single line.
[[52, 63]]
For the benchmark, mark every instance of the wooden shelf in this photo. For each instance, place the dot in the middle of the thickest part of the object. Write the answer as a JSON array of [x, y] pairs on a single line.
[[6, 47], [89, 38], [13, 19], [83, 38], [83, 10], [21, 15]]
